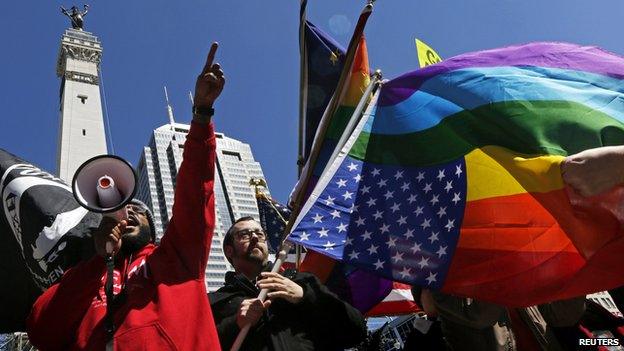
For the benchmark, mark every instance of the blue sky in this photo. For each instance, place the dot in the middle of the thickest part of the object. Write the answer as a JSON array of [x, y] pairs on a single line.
[[148, 44]]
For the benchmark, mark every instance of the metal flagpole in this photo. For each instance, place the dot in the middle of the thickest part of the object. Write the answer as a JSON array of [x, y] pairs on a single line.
[[303, 102], [286, 245], [303, 86]]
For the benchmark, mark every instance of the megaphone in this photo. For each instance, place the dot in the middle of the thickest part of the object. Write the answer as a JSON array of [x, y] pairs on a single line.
[[105, 184]]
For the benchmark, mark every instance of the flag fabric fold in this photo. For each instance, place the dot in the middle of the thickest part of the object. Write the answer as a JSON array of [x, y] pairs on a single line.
[[398, 302], [273, 218], [323, 61], [452, 179], [43, 231]]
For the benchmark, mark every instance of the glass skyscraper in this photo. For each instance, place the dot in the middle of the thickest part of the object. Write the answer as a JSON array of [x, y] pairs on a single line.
[[234, 197]]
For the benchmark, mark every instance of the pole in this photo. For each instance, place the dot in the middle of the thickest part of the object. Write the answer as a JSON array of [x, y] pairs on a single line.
[[303, 102], [303, 87]]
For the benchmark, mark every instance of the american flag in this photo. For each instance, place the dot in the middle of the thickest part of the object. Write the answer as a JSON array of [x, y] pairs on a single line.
[[273, 218], [399, 222]]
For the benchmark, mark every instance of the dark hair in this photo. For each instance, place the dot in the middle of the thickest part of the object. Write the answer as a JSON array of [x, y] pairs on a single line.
[[228, 239]]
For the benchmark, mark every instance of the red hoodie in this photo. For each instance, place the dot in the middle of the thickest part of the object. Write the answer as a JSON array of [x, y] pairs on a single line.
[[166, 306]]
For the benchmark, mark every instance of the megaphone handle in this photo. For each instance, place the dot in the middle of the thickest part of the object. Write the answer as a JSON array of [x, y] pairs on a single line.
[[109, 250], [108, 289]]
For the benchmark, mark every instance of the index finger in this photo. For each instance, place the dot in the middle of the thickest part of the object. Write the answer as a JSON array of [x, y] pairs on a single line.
[[270, 274], [211, 56]]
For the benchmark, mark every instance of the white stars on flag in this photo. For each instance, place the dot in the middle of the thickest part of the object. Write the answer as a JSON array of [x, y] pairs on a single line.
[[323, 233], [342, 228], [433, 237], [318, 218], [372, 249], [400, 222], [440, 175], [406, 272], [456, 198], [431, 278], [329, 201]]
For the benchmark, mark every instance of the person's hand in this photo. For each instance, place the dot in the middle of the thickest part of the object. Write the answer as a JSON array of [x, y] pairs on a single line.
[[109, 231], [594, 171], [210, 81], [250, 311], [280, 287]]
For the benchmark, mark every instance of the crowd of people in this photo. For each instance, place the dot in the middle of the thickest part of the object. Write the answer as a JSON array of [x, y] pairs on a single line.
[[158, 300]]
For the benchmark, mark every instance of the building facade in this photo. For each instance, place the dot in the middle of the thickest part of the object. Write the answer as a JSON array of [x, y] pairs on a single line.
[[234, 197], [81, 124]]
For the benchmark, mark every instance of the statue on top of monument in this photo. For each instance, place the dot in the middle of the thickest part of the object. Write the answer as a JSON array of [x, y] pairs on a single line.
[[76, 16]]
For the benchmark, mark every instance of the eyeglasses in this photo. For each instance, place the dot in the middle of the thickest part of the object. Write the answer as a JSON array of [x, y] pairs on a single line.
[[245, 234]]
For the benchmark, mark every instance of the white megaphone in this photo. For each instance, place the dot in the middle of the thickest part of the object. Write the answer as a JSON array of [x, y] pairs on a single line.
[[105, 184]]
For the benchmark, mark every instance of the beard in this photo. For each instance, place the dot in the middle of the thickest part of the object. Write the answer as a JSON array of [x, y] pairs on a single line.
[[253, 256], [131, 242]]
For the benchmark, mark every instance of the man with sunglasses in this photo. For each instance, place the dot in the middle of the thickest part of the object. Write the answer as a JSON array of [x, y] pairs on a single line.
[[299, 313], [158, 298]]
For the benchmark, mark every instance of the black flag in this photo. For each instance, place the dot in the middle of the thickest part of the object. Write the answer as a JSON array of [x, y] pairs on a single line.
[[43, 231]]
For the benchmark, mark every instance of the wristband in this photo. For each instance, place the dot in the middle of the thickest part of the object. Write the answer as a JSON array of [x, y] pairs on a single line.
[[203, 111], [202, 114]]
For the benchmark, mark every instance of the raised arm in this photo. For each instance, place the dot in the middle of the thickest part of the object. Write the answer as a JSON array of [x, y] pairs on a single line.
[[190, 230]]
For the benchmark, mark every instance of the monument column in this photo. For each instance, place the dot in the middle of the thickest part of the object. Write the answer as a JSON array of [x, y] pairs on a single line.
[[81, 130]]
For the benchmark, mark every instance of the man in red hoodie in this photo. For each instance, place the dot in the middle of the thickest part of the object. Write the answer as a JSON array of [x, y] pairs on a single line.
[[159, 298]]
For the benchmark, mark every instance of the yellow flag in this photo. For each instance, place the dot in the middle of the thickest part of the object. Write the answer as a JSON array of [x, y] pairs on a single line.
[[426, 55]]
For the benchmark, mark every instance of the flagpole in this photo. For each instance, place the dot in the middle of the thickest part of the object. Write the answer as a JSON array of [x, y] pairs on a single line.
[[303, 86], [303, 100]]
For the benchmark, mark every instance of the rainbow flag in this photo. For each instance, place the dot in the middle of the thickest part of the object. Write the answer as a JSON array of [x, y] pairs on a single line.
[[452, 178]]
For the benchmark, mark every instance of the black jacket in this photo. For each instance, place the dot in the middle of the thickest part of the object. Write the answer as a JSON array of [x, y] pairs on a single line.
[[320, 321]]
